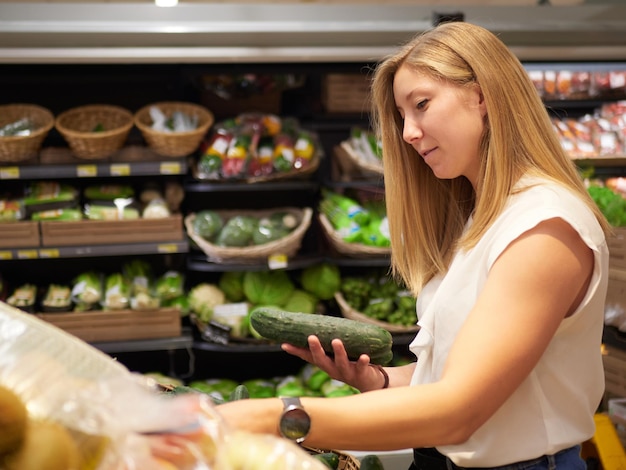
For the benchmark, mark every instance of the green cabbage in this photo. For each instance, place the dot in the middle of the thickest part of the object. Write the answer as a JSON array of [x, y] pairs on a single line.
[[267, 287], [321, 280], [301, 302], [231, 283], [207, 224]]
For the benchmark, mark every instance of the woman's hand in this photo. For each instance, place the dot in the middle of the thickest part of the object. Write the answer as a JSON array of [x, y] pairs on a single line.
[[357, 373]]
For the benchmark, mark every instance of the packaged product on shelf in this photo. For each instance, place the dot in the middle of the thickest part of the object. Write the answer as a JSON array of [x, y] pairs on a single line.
[[48, 195], [87, 290], [116, 292], [58, 298], [257, 146], [24, 297], [11, 210]]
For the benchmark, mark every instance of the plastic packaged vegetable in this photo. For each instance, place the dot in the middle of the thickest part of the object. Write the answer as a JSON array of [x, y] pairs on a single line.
[[115, 420]]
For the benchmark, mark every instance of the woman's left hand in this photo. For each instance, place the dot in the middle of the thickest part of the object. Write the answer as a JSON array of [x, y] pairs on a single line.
[[355, 373]]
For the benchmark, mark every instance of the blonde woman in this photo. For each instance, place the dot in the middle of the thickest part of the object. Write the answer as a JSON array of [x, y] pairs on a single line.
[[494, 232]]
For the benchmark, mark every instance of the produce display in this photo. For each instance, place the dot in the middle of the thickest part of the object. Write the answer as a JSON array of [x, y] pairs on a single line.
[[243, 230], [364, 149], [378, 296], [230, 302], [134, 286], [611, 202], [55, 201], [255, 145], [355, 222]]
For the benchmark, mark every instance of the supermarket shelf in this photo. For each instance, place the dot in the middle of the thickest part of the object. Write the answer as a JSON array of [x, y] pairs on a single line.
[[197, 261], [165, 247], [198, 186], [251, 347], [93, 169], [185, 341]]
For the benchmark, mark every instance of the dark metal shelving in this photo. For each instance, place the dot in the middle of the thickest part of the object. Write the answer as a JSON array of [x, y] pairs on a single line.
[[120, 249]]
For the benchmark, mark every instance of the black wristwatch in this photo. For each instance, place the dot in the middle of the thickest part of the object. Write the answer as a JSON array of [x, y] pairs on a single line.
[[295, 422]]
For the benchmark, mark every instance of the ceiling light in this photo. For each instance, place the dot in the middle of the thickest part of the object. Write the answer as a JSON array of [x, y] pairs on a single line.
[[166, 3]]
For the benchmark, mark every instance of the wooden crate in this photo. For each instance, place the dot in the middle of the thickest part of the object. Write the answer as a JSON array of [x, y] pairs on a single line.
[[346, 93], [19, 234], [617, 249], [106, 232], [118, 325]]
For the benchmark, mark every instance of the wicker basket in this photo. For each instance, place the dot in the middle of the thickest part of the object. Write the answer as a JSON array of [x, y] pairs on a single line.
[[351, 162], [287, 246], [355, 250], [348, 312], [24, 147], [77, 126], [346, 461], [174, 144]]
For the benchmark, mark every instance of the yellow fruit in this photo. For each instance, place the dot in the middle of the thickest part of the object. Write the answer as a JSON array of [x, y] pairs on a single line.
[[13, 417], [46, 446]]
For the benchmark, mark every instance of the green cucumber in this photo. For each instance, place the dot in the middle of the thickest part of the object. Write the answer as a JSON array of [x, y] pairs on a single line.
[[330, 459], [371, 462], [294, 328]]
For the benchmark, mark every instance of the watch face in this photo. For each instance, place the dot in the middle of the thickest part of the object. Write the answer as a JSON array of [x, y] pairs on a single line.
[[295, 424]]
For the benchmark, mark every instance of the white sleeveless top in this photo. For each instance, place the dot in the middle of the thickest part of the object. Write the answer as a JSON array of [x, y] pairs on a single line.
[[553, 408]]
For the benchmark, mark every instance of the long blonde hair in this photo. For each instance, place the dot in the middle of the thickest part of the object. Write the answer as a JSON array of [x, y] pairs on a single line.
[[426, 214]]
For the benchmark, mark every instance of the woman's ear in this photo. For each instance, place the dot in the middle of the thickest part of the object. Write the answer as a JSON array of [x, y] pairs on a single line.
[[481, 101]]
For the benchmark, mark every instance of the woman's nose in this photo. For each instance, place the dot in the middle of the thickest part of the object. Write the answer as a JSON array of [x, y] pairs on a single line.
[[411, 131]]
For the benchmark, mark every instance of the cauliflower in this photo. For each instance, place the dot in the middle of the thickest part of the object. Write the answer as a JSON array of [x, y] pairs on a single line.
[[203, 298]]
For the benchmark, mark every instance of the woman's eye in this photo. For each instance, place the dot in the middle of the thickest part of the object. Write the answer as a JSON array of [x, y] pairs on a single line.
[[422, 104]]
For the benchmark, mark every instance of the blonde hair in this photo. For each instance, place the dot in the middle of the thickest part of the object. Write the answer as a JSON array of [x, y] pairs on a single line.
[[426, 214]]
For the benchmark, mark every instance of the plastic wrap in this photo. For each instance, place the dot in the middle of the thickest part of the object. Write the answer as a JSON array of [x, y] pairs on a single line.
[[120, 420]]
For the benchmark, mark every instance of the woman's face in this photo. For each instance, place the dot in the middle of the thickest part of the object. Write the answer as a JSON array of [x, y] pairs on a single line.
[[442, 122]]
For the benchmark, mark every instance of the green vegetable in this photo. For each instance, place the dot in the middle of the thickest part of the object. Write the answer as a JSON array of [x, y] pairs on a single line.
[[611, 204], [231, 283], [237, 231], [313, 377], [108, 192], [181, 303], [260, 388], [290, 386], [58, 214], [86, 290], [239, 393], [337, 388], [222, 386], [301, 301], [203, 298], [322, 280], [116, 292], [294, 328], [371, 462], [170, 285], [267, 287], [330, 459], [207, 224], [266, 232]]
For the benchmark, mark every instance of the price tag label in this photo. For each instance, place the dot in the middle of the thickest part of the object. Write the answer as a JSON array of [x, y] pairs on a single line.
[[120, 169], [167, 248], [9, 173], [27, 254], [277, 261], [170, 168], [6, 255], [86, 171], [49, 253]]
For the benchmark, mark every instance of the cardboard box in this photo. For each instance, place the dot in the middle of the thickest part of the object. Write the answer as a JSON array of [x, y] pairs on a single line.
[[118, 325], [346, 93], [107, 232]]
